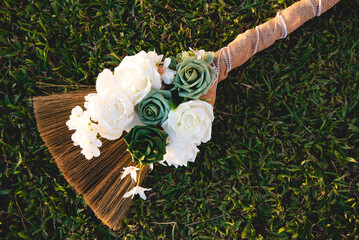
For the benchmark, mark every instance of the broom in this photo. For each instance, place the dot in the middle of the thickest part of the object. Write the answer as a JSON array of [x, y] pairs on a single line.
[[99, 180]]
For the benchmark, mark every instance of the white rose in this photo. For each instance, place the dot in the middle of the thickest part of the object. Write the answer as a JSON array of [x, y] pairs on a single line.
[[190, 122], [106, 83], [179, 153], [113, 113], [136, 75]]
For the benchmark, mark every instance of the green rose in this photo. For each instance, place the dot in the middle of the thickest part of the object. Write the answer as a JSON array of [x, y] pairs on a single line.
[[146, 144], [194, 77], [153, 109]]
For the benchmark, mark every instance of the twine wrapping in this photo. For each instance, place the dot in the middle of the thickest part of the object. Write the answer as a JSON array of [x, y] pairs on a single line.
[[254, 40]]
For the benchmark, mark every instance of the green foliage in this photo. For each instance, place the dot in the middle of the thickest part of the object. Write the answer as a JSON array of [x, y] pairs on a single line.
[[283, 159]]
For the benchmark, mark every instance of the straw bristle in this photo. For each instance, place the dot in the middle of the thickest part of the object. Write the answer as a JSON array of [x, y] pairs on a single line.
[[99, 179]]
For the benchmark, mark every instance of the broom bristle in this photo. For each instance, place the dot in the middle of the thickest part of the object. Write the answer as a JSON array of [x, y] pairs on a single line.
[[99, 179]]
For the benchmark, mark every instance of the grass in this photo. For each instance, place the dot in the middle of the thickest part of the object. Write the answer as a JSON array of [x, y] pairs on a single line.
[[283, 159]]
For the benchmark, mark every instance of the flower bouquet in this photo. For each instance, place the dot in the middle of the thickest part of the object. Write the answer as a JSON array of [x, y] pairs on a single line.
[[160, 128], [148, 111]]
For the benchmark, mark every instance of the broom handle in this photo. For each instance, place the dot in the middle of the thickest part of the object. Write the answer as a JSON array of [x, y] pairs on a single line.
[[254, 40]]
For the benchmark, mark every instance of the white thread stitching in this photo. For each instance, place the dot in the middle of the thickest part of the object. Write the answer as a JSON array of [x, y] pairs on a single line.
[[227, 59], [284, 35], [283, 25], [230, 59], [319, 8], [256, 49], [313, 8]]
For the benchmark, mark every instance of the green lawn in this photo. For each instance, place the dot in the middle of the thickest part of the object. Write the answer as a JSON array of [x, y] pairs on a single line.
[[283, 162]]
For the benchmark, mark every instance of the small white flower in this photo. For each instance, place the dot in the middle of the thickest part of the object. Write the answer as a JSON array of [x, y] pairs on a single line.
[[156, 58], [199, 53], [85, 134], [90, 148], [150, 166], [86, 137], [92, 129], [76, 118], [76, 138], [130, 170], [168, 74], [137, 190], [163, 162]]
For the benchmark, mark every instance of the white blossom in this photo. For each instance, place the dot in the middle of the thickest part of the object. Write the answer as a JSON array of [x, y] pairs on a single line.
[[155, 57], [85, 134], [90, 148], [199, 53], [137, 190], [76, 118], [168, 74], [130, 170]]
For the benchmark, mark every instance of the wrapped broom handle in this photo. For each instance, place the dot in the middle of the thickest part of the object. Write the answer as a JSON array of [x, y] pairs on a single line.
[[254, 40]]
